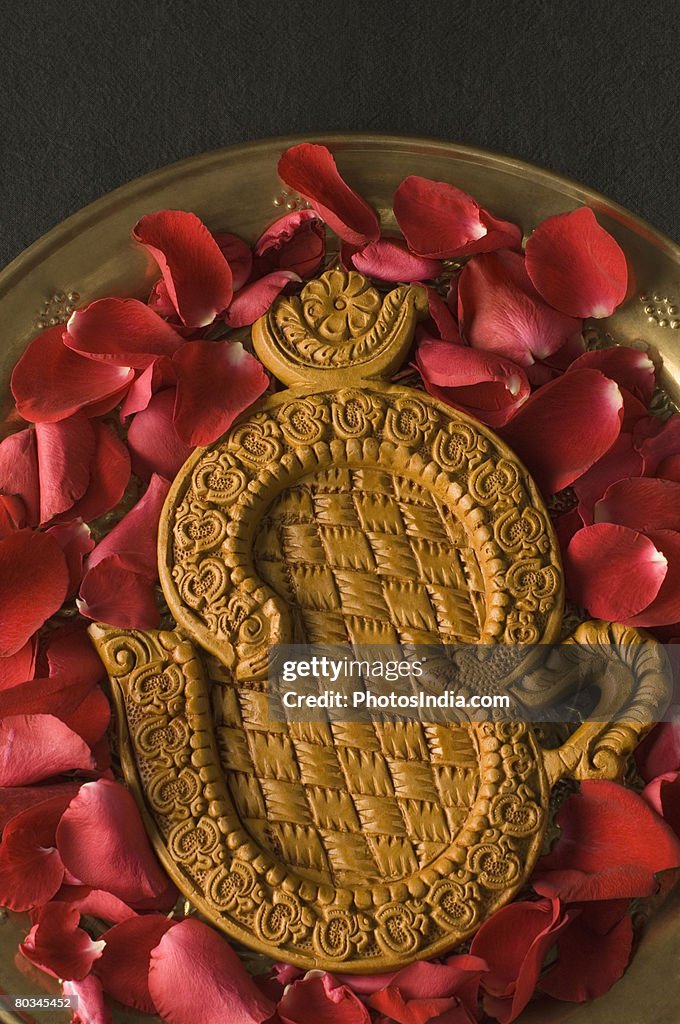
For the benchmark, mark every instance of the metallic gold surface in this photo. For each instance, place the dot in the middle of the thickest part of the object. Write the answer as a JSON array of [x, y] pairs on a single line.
[[237, 188]]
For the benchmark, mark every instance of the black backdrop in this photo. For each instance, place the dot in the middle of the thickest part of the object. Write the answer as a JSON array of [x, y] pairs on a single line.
[[94, 93]]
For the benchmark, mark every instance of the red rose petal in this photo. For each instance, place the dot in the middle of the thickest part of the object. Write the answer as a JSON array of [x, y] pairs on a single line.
[[662, 441], [91, 1006], [75, 540], [663, 794], [65, 453], [113, 593], [589, 962], [134, 539], [153, 441], [296, 241], [12, 515], [20, 666], [312, 172], [16, 799], [622, 461], [78, 704], [96, 903], [439, 221], [611, 845], [123, 967], [31, 870], [500, 311], [600, 562], [33, 584], [159, 375], [238, 255], [217, 380], [641, 504], [664, 610], [659, 752], [109, 476], [58, 945], [514, 942], [38, 746], [19, 472], [481, 383], [103, 843], [629, 367], [565, 427], [125, 332], [71, 655], [195, 273], [389, 259], [255, 299], [442, 319], [321, 998], [50, 382], [196, 976], [576, 265]]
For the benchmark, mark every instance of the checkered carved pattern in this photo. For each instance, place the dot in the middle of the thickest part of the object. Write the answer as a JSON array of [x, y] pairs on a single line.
[[365, 557]]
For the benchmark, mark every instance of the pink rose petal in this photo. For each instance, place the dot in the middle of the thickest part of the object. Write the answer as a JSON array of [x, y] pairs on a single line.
[[103, 843], [50, 382], [196, 976], [500, 311], [91, 1006], [58, 945], [195, 272], [216, 382], [321, 997], [253, 300], [611, 845], [123, 967], [565, 427], [576, 265], [312, 172], [390, 259], [112, 592], [599, 565], [154, 443], [124, 332], [33, 584], [37, 746], [439, 221], [664, 610], [19, 472], [31, 870]]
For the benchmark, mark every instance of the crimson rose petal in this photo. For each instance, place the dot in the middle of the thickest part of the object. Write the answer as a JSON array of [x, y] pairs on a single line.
[[296, 241], [96, 903], [31, 870], [196, 976], [439, 221], [664, 610], [19, 472], [500, 310], [318, 998], [20, 666], [103, 843], [195, 272], [565, 427], [12, 515], [58, 945], [37, 746], [514, 942], [91, 1006], [442, 318], [481, 383], [641, 504], [50, 382], [390, 259], [114, 593], [134, 538], [576, 265], [65, 452], [663, 794], [599, 564], [629, 367], [622, 461], [238, 255], [109, 476], [255, 298], [125, 332], [33, 584], [123, 967], [590, 959], [611, 844], [312, 172], [76, 542], [216, 380], [660, 751], [153, 441]]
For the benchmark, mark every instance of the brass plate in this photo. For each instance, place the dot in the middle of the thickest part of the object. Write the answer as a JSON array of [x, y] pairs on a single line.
[[234, 188]]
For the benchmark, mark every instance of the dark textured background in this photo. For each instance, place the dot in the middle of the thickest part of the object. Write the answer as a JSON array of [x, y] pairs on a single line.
[[93, 94]]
